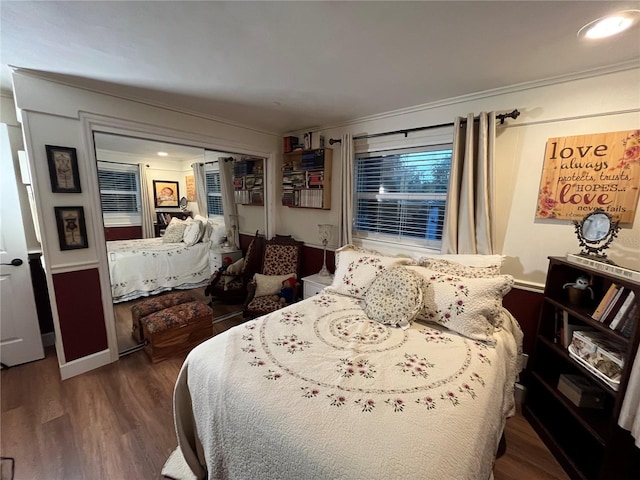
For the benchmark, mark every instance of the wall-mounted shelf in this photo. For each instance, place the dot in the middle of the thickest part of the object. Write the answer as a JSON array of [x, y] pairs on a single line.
[[306, 179], [248, 181]]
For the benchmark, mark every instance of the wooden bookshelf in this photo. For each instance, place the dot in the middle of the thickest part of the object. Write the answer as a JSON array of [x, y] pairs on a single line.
[[306, 179], [248, 181], [587, 442]]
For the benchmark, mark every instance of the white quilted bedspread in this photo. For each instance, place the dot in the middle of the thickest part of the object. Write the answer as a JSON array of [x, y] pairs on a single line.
[[147, 266], [318, 391]]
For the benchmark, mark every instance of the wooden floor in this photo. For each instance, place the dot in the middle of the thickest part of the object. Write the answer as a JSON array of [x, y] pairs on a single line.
[[116, 423]]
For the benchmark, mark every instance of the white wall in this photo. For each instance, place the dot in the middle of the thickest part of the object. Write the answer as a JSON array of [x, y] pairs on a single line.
[[604, 103], [8, 116]]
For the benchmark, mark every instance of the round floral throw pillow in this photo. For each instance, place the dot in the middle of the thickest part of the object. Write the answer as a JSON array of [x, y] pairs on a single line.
[[394, 297]]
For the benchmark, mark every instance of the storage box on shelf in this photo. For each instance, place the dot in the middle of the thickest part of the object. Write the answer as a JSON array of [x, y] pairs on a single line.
[[585, 439], [306, 178], [248, 181]]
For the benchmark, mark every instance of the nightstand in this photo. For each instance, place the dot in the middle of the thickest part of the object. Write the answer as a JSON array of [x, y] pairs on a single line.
[[217, 255], [313, 284]]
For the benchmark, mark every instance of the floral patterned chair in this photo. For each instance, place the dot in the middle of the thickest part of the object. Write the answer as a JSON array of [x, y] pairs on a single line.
[[232, 289], [282, 259]]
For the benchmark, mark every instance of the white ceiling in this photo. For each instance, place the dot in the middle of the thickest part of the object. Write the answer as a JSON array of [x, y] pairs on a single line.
[[284, 66]]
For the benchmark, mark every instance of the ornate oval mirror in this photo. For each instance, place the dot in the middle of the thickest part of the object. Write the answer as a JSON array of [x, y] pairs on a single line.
[[183, 204], [595, 232]]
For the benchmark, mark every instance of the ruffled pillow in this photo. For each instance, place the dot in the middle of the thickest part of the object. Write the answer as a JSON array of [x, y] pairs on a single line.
[[471, 260], [470, 306], [174, 232], [454, 268], [357, 268], [394, 297], [193, 232]]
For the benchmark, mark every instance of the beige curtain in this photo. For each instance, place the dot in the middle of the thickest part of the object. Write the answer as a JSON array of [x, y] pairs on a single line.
[[467, 224], [630, 412], [346, 197], [145, 199], [200, 179], [228, 199]]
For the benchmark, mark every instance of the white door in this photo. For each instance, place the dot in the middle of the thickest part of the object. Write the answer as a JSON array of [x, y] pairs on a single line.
[[20, 339]]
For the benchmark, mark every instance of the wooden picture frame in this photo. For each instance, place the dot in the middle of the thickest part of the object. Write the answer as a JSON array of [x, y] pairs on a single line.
[[166, 193], [63, 169], [72, 230]]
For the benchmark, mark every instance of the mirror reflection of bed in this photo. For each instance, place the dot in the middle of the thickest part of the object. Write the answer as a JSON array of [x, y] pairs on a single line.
[[139, 267]]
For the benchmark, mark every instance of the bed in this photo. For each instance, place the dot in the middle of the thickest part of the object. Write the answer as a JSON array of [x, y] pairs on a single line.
[[341, 386], [148, 266]]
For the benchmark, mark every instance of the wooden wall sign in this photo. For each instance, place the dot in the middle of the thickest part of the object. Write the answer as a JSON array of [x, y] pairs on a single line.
[[585, 172], [191, 188]]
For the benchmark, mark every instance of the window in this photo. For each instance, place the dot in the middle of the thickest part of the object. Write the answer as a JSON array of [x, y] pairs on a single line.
[[214, 193], [400, 195], [119, 192]]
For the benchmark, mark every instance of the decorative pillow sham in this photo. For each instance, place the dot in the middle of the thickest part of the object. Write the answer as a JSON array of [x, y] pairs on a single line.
[[174, 232], [218, 233], [471, 260], [469, 306], [269, 284], [356, 269], [454, 268], [193, 232], [394, 297]]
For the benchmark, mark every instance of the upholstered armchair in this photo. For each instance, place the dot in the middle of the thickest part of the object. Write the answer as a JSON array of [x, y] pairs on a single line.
[[281, 261], [231, 288]]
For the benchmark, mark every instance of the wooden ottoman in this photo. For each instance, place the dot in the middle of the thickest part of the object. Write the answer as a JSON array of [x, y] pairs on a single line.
[[176, 329], [151, 305]]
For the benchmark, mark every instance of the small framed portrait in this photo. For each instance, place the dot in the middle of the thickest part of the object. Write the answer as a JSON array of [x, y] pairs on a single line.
[[63, 169], [72, 230], [166, 193]]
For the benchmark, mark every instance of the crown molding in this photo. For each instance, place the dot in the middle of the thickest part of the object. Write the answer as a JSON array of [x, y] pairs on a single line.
[[519, 87]]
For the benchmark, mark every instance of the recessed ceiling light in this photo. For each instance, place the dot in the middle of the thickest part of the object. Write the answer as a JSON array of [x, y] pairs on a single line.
[[163, 154], [609, 25]]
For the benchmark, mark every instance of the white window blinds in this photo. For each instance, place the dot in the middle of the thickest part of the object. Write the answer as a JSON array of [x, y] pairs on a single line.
[[214, 193], [119, 188], [400, 195]]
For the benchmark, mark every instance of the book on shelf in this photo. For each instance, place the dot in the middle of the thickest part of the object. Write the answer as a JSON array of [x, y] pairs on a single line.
[[630, 320], [289, 143], [604, 303], [614, 303], [623, 310], [601, 266]]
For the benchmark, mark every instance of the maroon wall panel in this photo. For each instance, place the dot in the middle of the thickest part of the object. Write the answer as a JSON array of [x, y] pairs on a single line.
[[80, 313], [312, 260], [122, 233], [525, 306]]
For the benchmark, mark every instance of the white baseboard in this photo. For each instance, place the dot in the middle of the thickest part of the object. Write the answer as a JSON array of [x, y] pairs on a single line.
[[84, 364]]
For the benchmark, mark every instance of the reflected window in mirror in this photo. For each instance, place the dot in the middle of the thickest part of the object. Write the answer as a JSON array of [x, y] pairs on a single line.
[[595, 233]]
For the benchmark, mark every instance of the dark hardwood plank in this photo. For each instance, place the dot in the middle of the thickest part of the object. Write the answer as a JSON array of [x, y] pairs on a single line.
[[116, 422]]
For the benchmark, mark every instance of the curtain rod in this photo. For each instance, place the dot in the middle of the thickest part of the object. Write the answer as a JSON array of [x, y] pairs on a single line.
[[121, 163], [501, 117]]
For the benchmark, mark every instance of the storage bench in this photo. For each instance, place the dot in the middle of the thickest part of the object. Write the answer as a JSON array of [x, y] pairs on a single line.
[[176, 329], [152, 305]]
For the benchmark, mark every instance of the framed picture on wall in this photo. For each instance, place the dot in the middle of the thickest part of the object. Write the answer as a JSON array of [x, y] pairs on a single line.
[[166, 193], [63, 169], [72, 230]]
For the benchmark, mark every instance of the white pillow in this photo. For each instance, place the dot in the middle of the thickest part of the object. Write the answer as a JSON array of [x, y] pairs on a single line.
[[394, 297], [269, 284], [174, 232], [470, 260], [356, 269], [469, 306], [218, 233], [193, 232]]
